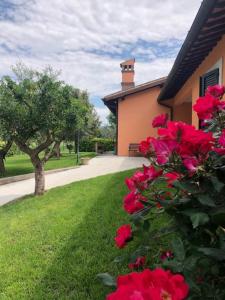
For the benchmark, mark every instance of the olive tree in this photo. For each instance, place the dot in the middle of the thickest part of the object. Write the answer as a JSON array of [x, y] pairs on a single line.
[[33, 109]]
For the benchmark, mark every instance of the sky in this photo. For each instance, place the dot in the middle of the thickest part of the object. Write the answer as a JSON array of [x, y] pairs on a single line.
[[87, 39]]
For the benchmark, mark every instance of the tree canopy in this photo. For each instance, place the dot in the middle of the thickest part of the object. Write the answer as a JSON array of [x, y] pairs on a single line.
[[38, 111]]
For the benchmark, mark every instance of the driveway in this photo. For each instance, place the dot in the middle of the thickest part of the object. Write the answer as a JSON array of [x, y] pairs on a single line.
[[100, 165]]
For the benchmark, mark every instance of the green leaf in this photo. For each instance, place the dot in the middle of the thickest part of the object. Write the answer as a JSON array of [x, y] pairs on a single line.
[[215, 253], [199, 219], [218, 185], [174, 265], [107, 279], [146, 225], [206, 200], [185, 200], [187, 186], [190, 262], [178, 249], [219, 217]]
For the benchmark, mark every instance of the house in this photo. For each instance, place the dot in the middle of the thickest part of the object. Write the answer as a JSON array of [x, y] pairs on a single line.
[[199, 63]]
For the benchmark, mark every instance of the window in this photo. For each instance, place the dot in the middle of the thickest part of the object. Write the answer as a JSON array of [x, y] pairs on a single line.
[[208, 79]]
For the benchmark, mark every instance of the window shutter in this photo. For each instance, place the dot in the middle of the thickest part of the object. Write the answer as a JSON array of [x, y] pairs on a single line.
[[209, 79]]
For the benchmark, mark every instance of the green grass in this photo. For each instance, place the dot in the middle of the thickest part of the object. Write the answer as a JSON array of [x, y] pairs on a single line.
[[20, 164], [52, 247]]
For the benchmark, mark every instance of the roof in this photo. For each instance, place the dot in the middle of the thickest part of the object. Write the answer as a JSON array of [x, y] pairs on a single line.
[[111, 100], [206, 30], [136, 89]]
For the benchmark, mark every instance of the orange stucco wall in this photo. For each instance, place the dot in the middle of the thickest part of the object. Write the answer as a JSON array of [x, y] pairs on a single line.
[[135, 114], [191, 86], [183, 112]]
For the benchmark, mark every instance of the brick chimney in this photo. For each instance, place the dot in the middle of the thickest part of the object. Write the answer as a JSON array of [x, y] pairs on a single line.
[[127, 69]]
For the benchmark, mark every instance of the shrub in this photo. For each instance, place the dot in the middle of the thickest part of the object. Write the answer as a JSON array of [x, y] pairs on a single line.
[[185, 179], [88, 145]]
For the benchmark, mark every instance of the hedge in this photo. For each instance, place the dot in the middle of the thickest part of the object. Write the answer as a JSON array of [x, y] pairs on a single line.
[[87, 145]]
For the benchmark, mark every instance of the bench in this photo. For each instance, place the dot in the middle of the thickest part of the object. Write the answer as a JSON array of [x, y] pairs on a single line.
[[134, 148]]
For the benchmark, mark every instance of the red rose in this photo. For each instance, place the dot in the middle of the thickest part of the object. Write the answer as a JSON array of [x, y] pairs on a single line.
[[219, 151], [123, 235], [150, 285], [171, 177], [132, 202], [216, 91], [163, 150], [160, 121], [140, 262], [144, 146], [206, 106], [151, 173], [191, 163], [174, 130]]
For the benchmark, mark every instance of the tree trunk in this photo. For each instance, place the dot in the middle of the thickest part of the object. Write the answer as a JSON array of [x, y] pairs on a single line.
[[3, 153], [39, 176], [2, 165], [57, 150]]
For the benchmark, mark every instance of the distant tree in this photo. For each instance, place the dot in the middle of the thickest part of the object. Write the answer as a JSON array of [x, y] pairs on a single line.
[[69, 147], [33, 110], [109, 130], [111, 120]]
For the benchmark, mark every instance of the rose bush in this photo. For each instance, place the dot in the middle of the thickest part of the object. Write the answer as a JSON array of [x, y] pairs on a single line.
[[150, 285], [185, 179]]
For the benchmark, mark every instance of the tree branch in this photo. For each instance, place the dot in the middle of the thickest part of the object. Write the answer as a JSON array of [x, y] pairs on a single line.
[[5, 149], [50, 153], [44, 145], [24, 147]]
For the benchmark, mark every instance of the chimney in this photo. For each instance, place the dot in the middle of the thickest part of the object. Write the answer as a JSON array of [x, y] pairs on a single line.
[[127, 69]]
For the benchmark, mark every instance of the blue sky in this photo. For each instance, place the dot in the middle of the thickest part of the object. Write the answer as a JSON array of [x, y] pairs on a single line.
[[87, 39]]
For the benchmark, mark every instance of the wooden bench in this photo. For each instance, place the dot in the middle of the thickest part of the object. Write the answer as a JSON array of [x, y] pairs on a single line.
[[134, 148]]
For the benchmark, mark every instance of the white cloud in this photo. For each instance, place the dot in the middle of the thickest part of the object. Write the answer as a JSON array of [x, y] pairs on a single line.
[[103, 112], [70, 35]]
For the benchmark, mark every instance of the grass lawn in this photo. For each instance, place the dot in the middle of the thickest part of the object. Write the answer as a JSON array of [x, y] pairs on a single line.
[[20, 164], [52, 247]]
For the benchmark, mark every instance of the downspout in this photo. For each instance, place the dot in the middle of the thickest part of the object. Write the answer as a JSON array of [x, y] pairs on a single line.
[[117, 127]]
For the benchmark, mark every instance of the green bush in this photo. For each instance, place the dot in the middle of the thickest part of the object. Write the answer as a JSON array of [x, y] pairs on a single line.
[[88, 145]]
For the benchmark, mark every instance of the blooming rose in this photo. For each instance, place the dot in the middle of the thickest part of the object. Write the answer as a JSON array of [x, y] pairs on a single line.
[[140, 261], [191, 163], [151, 173], [175, 130], [163, 150], [140, 179], [216, 90], [123, 235], [144, 146], [137, 181], [206, 106], [150, 285], [131, 202], [171, 177], [160, 121]]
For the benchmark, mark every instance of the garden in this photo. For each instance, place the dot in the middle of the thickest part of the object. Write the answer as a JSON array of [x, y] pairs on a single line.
[[185, 180], [76, 241], [46, 124]]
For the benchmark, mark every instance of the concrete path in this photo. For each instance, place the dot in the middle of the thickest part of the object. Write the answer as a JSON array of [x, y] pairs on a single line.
[[100, 165]]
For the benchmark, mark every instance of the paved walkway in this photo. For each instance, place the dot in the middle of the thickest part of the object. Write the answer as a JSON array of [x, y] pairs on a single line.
[[99, 165]]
